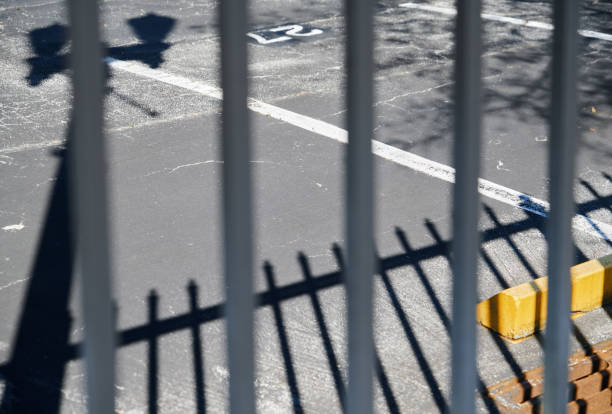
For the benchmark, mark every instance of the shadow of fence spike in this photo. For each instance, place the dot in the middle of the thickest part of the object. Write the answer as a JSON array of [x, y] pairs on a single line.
[[153, 374], [284, 341], [332, 360]]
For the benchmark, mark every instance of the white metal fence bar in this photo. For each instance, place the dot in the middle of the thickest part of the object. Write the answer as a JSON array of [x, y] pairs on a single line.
[[237, 205], [562, 149], [87, 173], [359, 204], [466, 203], [88, 188]]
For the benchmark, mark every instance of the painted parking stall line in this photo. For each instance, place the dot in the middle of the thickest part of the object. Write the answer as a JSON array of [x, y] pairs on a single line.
[[505, 19], [398, 156]]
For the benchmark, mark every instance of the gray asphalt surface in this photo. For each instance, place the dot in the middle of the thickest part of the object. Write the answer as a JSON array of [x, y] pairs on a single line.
[[165, 172]]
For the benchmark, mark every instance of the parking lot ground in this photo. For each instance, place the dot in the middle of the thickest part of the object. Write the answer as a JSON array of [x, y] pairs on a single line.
[[163, 124]]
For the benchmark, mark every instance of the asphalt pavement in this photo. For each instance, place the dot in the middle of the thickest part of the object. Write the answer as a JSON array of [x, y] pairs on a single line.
[[163, 125]]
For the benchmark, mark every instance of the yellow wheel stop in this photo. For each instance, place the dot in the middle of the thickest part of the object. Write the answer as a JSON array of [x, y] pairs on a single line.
[[520, 311]]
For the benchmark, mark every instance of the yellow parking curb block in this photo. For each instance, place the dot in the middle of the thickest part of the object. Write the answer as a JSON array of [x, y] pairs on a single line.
[[519, 311]]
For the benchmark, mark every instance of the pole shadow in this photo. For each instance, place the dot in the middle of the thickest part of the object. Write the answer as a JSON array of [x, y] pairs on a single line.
[[35, 372], [47, 44], [151, 31]]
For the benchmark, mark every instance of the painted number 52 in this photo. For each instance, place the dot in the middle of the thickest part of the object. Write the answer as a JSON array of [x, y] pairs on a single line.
[[282, 34]]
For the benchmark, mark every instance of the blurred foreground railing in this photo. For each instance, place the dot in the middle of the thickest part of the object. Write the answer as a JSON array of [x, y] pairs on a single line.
[[89, 188]]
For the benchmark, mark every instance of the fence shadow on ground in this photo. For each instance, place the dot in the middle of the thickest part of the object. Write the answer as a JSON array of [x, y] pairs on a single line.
[[34, 375]]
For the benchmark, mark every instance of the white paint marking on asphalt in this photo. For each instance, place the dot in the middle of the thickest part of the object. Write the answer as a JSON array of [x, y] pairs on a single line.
[[165, 77], [193, 164], [504, 19], [290, 31], [14, 227], [26, 147], [407, 159], [8, 285]]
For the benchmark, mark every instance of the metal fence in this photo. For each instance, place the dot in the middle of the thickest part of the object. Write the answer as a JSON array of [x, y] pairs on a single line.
[[87, 167]]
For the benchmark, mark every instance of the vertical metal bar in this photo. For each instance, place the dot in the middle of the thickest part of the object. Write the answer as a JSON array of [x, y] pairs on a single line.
[[87, 172], [237, 205], [563, 144], [466, 203], [359, 204]]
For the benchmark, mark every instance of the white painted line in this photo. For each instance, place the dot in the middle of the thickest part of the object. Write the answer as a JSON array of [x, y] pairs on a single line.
[[14, 227], [407, 159], [165, 77], [193, 164], [504, 19], [27, 147]]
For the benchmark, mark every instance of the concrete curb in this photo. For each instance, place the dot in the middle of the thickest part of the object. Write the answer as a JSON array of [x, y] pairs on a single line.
[[519, 311]]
